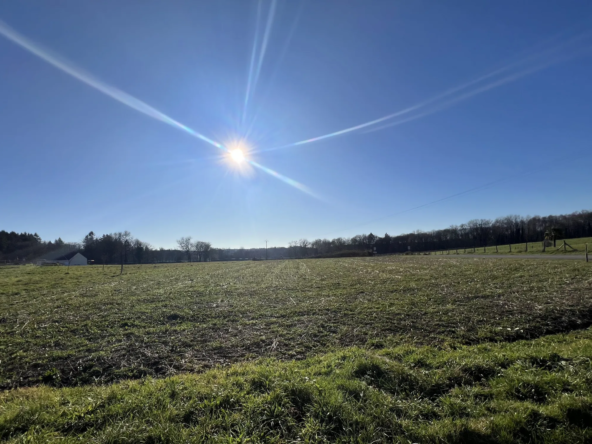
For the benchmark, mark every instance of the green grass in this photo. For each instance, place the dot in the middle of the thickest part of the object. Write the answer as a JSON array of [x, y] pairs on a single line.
[[383, 349], [89, 325], [534, 248], [527, 391]]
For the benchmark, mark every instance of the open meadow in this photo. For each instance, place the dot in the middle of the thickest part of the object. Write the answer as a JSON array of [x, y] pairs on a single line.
[[420, 349]]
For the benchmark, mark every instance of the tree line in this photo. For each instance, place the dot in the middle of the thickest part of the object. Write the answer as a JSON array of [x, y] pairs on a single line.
[[195, 250], [475, 233], [116, 248], [122, 247], [25, 246]]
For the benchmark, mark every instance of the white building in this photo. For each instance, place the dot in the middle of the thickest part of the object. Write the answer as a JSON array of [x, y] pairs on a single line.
[[73, 258], [62, 258]]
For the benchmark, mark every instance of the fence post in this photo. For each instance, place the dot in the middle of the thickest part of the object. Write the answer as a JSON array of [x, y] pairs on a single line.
[[510, 245], [484, 250], [527, 246], [496, 249], [586, 252], [474, 249], [465, 251], [564, 248]]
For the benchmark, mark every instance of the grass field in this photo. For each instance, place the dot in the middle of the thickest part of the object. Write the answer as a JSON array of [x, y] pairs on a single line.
[[417, 349], [534, 248], [526, 391]]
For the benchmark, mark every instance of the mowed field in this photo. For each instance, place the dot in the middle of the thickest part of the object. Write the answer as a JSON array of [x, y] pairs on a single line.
[[87, 324], [420, 349]]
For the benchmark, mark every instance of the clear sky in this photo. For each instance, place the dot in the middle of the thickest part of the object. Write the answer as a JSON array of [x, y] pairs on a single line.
[[101, 103]]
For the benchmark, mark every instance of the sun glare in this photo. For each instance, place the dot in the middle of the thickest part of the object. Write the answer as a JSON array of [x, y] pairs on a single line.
[[237, 155]]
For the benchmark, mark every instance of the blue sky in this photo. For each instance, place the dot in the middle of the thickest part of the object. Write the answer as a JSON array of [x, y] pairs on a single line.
[[73, 159]]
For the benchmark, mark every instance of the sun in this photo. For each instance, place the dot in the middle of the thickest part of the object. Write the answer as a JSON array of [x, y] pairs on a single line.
[[237, 155]]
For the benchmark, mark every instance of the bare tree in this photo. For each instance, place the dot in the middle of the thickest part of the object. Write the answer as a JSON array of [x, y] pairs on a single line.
[[124, 240], [202, 249], [195, 247], [304, 244], [185, 245], [206, 248], [293, 248], [139, 250]]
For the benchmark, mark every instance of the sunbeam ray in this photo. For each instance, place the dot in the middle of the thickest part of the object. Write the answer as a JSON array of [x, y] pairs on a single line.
[[477, 91], [252, 63], [283, 178], [127, 99], [532, 58], [275, 70], [268, 26], [93, 82], [254, 77]]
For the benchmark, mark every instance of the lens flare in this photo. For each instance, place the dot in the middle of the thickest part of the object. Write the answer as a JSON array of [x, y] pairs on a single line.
[[237, 155], [134, 103], [252, 64], [284, 179], [255, 71], [511, 72], [93, 82], [269, 24]]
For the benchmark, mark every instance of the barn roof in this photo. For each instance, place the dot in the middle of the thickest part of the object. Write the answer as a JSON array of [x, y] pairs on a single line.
[[61, 254], [67, 257]]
